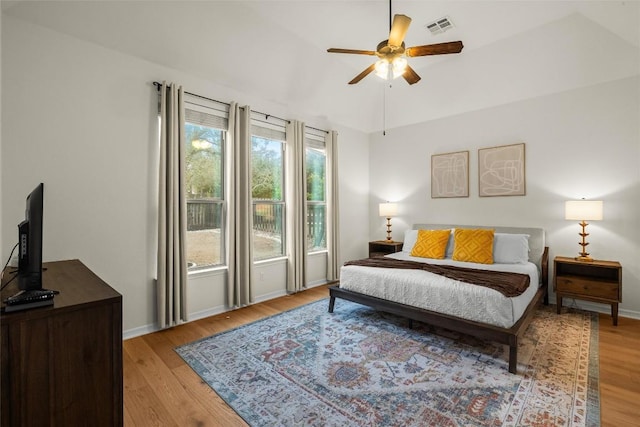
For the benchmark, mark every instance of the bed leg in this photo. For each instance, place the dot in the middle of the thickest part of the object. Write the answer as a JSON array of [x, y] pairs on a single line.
[[332, 301], [513, 358], [410, 323]]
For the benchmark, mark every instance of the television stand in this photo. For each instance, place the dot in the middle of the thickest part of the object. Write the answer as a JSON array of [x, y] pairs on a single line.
[[62, 363]]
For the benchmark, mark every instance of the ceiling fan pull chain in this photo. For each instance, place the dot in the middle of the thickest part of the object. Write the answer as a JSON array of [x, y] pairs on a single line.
[[384, 110]]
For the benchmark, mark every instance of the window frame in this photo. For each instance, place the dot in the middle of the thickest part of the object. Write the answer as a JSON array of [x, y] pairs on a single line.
[[317, 143], [265, 130], [197, 113]]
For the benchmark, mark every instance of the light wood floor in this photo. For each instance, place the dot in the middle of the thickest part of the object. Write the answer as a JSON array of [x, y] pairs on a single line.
[[161, 390]]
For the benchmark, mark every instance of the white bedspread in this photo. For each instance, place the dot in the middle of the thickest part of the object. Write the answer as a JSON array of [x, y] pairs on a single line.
[[440, 294]]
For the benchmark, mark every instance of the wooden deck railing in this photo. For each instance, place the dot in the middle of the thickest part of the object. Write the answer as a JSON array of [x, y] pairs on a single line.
[[267, 217]]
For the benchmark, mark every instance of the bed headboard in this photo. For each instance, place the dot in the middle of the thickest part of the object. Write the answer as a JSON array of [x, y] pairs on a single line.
[[536, 236]]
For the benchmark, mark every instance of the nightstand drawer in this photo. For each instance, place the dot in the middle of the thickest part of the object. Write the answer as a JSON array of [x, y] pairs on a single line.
[[584, 286]]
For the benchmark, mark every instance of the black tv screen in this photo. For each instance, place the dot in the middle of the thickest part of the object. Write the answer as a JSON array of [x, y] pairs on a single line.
[[30, 242]]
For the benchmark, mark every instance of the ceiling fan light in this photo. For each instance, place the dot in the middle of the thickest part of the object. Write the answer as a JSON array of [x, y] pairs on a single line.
[[399, 65], [382, 68]]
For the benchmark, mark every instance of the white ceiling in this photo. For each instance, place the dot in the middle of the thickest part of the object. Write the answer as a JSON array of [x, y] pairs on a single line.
[[276, 50]]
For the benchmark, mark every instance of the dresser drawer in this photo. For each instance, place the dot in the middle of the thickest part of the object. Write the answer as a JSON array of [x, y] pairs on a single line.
[[584, 286]]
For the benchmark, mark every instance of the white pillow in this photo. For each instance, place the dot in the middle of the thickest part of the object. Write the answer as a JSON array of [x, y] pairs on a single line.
[[410, 238], [449, 252], [510, 248]]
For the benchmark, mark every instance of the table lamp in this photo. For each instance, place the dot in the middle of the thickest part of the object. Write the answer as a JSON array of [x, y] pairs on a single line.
[[388, 210], [583, 211]]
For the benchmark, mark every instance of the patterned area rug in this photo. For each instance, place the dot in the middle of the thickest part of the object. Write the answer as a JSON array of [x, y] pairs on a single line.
[[359, 367]]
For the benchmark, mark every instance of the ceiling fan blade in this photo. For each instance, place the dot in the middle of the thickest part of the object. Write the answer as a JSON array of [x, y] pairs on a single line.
[[398, 30], [355, 51], [363, 74], [435, 49], [410, 75]]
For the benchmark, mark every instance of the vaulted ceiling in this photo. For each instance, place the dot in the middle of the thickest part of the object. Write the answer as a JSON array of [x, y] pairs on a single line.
[[276, 50]]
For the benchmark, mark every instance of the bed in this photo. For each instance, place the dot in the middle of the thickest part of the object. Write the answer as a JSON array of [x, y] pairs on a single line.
[[452, 304]]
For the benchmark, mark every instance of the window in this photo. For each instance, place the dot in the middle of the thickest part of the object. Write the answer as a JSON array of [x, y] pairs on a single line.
[[204, 188], [267, 191], [316, 168]]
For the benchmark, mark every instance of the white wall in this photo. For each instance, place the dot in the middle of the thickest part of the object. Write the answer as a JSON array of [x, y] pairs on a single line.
[[353, 174], [83, 120], [581, 143]]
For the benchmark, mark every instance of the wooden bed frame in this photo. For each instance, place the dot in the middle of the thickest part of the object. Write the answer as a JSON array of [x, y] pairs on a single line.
[[479, 330]]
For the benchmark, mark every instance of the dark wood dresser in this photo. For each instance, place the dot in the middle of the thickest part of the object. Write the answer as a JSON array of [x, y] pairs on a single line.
[[62, 364]]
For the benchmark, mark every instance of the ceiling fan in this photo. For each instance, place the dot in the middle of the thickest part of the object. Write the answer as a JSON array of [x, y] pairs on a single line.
[[393, 55]]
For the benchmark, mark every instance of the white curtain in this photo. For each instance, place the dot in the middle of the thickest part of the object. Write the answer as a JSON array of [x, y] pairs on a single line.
[[296, 208], [172, 207], [240, 210], [333, 223]]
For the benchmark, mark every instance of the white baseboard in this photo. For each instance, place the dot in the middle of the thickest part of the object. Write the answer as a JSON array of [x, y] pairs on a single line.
[[317, 283], [140, 330], [147, 329], [271, 295]]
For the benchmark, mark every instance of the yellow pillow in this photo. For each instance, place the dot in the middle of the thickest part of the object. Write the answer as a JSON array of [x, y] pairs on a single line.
[[473, 245], [431, 243]]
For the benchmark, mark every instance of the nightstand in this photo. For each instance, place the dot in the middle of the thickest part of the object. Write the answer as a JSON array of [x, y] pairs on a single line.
[[383, 247], [598, 281]]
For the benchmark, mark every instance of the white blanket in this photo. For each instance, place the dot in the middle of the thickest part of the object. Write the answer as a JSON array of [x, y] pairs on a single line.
[[440, 294]]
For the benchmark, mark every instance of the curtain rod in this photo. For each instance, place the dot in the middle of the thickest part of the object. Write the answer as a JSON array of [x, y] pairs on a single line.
[[158, 85], [266, 116], [319, 130]]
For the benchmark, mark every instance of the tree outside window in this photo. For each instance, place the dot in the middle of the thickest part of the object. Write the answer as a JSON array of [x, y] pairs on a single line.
[[267, 191], [316, 166], [204, 189]]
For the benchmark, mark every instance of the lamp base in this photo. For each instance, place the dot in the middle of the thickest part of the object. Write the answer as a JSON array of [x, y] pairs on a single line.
[[389, 239], [584, 255]]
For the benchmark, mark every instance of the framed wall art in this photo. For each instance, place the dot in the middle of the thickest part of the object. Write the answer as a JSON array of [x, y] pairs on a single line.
[[501, 171], [450, 175]]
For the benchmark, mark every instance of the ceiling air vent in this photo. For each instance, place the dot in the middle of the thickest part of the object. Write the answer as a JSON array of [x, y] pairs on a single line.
[[439, 26]]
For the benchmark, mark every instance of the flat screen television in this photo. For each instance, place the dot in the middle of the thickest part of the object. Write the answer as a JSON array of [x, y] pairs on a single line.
[[30, 242]]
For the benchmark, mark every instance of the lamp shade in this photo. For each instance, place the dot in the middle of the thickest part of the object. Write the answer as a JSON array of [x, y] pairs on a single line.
[[581, 210], [388, 209]]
